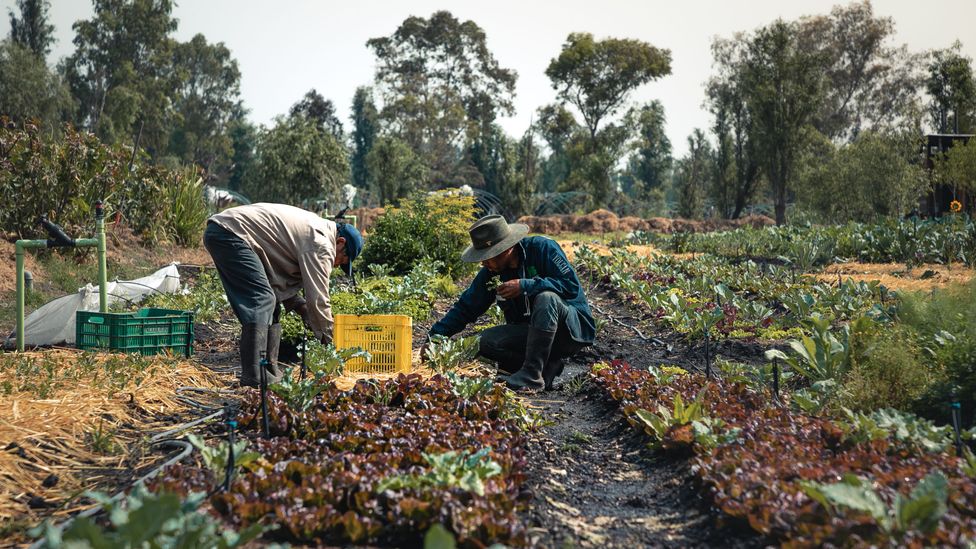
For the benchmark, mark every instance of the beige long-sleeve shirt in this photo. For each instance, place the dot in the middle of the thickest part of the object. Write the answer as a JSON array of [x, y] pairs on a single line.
[[297, 248]]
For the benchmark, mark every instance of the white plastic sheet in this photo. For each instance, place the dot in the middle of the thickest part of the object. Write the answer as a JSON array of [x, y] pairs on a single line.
[[54, 322]]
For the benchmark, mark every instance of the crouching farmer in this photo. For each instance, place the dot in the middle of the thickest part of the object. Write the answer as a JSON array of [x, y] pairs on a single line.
[[547, 318], [265, 254]]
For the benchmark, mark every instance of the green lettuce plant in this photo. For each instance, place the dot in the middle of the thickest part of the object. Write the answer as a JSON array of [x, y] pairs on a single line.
[[921, 510], [448, 469]]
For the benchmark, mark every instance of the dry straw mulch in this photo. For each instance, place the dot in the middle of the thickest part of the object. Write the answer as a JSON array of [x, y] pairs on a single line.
[[71, 421], [896, 276]]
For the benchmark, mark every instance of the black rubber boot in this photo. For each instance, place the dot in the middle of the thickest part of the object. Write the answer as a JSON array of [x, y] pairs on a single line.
[[553, 369], [254, 341], [536, 355], [274, 343]]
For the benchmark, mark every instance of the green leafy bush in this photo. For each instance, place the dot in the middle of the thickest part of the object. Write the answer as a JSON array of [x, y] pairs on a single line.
[[188, 209], [445, 354], [143, 519], [894, 375], [432, 226], [215, 457], [944, 324], [63, 177], [921, 510]]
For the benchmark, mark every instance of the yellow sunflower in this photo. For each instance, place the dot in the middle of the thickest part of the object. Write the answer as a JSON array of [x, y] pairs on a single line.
[[955, 206]]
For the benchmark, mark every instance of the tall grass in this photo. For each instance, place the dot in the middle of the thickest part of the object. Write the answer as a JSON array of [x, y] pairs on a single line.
[[188, 210]]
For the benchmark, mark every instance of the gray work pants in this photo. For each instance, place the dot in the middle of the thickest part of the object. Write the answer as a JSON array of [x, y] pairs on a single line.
[[506, 344]]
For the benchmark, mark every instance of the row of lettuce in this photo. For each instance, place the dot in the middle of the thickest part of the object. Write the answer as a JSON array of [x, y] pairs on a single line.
[[855, 344], [883, 478], [389, 462]]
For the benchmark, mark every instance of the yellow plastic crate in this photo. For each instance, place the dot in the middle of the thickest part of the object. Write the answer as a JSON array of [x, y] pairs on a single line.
[[388, 338]]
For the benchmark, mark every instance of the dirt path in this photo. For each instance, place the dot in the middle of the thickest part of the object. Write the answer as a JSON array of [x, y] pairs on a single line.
[[594, 482]]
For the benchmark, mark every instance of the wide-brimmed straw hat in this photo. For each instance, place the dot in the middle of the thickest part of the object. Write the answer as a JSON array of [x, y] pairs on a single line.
[[490, 236]]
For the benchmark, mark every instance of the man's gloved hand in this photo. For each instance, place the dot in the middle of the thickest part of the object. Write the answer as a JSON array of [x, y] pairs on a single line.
[[510, 289]]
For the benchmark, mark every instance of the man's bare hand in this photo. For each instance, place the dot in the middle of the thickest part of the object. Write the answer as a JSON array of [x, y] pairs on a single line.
[[510, 289]]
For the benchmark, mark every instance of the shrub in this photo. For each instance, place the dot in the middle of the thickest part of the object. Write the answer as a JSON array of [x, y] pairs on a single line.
[[892, 376], [63, 178], [945, 324], [188, 210], [433, 226]]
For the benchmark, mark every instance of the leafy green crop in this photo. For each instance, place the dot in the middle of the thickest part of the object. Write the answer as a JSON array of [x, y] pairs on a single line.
[[445, 354], [145, 519], [215, 457], [921, 510], [448, 470]]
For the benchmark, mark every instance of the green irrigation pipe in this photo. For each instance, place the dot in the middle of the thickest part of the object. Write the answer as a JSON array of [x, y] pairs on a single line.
[[60, 240]]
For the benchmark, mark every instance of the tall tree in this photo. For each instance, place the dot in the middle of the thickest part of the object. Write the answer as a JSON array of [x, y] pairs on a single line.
[[650, 165], [691, 175], [120, 72], [244, 142], [557, 127], [440, 84], [395, 170], [32, 29], [365, 122], [596, 76], [870, 82], [320, 111], [952, 90], [205, 102], [506, 166], [736, 178], [782, 85], [29, 89], [298, 162]]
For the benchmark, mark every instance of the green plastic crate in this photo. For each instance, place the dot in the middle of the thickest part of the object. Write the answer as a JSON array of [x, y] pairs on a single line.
[[147, 331]]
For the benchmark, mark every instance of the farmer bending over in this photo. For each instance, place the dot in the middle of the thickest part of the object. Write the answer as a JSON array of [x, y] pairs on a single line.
[[265, 254], [547, 317]]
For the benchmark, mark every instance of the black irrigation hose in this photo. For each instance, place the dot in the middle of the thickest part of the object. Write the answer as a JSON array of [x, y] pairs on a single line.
[[187, 449]]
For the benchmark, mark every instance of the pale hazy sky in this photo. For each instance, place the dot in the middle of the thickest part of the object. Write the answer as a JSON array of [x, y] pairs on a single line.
[[286, 47]]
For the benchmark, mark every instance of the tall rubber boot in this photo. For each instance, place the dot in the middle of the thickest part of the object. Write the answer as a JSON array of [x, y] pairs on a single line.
[[274, 343], [553, 369], [254, 341], [536, 355]]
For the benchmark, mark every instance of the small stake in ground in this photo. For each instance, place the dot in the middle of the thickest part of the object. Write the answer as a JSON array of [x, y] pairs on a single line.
[[956, 421], [231, 425], [776, 380], [264, 395], [708, 359], [304, 352]]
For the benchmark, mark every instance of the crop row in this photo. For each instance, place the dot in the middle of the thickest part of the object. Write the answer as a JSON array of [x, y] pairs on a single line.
[[381, 464], [740, 300], [804, 480]]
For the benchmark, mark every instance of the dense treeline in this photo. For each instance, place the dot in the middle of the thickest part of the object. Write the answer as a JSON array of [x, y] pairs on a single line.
[[801, 109]]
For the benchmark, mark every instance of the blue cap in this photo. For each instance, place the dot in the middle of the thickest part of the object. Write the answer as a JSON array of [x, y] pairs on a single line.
[[354, 243]]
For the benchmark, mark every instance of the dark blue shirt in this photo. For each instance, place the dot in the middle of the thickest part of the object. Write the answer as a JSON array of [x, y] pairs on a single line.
[[542, 267]]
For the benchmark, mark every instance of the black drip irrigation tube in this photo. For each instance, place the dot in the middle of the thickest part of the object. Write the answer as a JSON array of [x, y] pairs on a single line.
[[163, 439], [185, 450]]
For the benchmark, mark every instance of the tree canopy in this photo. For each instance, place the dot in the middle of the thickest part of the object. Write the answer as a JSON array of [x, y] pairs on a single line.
[[596, 76], [439, 85], [32, 30]]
